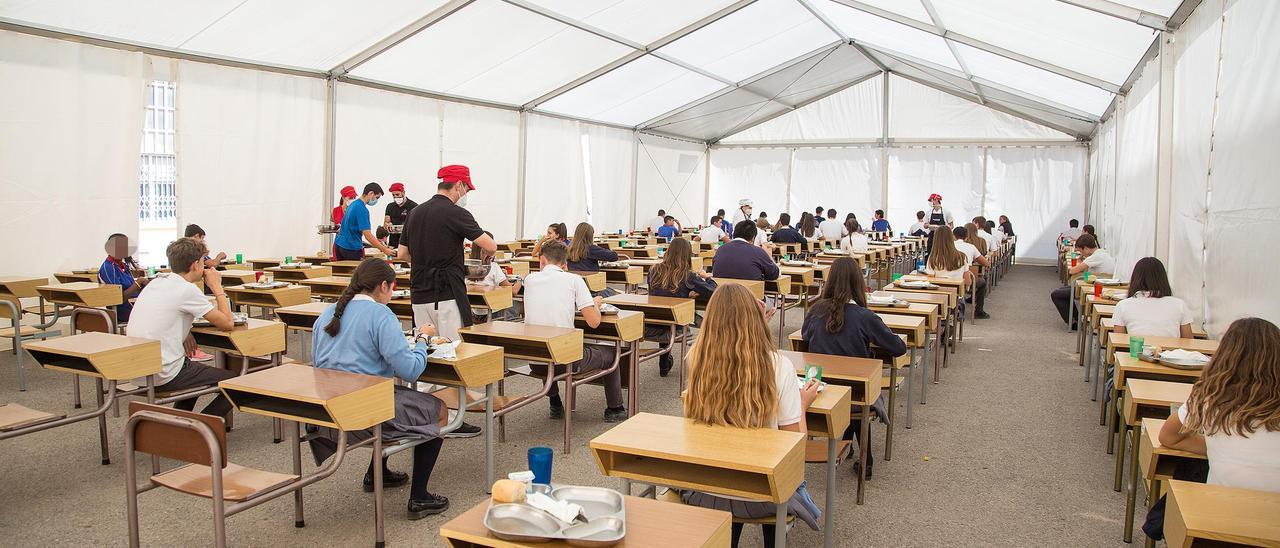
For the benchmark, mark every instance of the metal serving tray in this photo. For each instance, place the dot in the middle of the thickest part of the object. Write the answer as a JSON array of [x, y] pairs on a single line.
[[604, 509]]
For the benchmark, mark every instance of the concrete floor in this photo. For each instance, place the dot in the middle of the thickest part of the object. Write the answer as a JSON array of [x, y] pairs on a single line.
[[1007, 452]]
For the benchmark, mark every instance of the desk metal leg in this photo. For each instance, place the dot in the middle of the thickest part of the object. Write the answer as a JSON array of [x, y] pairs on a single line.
[[102, 419], [633, 382], [1121, 440], [568, 406], [1100, 365], [832, 443], [1085, 347], [911, 370], [626, 487], [488, 437], [1110, 416], [380, 538], [893, 412], [298, 519], [1131, 501], [924, 369], [780, 526], [864, 435]]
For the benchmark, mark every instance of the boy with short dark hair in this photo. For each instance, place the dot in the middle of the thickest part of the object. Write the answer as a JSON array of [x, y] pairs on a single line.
[[668, 230], [880, 224], [356, 228]]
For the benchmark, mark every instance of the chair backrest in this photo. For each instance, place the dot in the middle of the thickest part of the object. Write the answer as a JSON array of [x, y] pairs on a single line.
[[92, 319], [183, 443], [7, 312]]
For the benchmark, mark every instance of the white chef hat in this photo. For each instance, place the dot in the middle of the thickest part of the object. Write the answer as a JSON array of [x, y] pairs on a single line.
[[744, 202]]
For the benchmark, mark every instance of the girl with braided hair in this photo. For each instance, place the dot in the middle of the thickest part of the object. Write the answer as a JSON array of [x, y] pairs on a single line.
[[359, 334]]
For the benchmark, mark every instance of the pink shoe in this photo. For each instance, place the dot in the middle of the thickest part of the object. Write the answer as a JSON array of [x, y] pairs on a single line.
[[201, 356]]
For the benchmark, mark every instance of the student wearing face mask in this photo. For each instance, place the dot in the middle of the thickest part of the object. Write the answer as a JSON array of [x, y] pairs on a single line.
[[397, 211], [355, 227]]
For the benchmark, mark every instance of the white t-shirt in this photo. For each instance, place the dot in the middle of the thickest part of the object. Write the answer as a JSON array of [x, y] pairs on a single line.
[[711, 234], [832, 230], [1101, 262], [1243, 462], [656, 222], [761, 237], [1144, 316], [989, 238], [855, 242], [918, 227], [495, 277], [999, 235], [739, 216], [164, 311], [1072, 233], [969, 250], [553, 296], [789, 411]]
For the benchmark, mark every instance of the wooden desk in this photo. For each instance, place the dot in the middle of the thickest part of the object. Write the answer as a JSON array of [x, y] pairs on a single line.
[[288, 295], [657, 310], [86, 294], [22, 287], [301, 316], [255, 338], [474, 366], [759, 464], [342, 268], [595, 280], [70, 277], [649, 523], [232, 278], [1143, 399], [264, 263], [327, 287], [316, 259], [755, 286], [1199, 514], [632, 275], [1157, 462], [1117, 342], [299, 274], [493, 298], [626, 330], [913, 329]]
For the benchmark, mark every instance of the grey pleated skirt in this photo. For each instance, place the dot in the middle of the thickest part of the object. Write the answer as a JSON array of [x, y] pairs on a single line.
[[801, 506], [417, 416]]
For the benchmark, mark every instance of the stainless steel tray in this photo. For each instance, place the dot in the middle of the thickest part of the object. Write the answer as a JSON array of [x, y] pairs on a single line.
[[604, 508]]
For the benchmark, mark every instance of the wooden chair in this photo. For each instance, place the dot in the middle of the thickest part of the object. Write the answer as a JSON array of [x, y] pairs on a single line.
[[200, 441], [11, 308]]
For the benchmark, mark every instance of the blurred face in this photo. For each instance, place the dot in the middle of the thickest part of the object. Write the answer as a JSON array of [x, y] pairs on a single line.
[[397, 194], [382, 293], [935, 202], [118, 247], [551, 233]]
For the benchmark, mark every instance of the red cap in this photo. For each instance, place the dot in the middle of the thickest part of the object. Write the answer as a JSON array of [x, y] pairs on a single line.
[[455, 173], [933, 197], [397, 187], [348, 192]]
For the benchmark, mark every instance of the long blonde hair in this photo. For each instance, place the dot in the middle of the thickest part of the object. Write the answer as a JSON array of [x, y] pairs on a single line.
[[1239, 391], [675, 267], [944, 256], [971, 236], [583, 238], [731, 375]]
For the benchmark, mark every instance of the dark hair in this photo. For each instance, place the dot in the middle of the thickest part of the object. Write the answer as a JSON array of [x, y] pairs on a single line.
[[1006, 226], [763, 215], [919, 215], [584, 237], [193, 230], [783, 220], [960, 232], [844, 283], [476, 251], [720, 213], [850, 215], [1088, 229], [879, 213], [831, 213], [114, 236], [368, 276], [372, 187], [442, 185], [183, 252], [1073, 223], [1149, 275], [807, 226], [1086, 241], [668, 218], [381, 232], [662, 213], [852, 226], [746, 230], [981, 222], [555, 252], [715, 219], [562, 231], [991, 225], [817, 211]]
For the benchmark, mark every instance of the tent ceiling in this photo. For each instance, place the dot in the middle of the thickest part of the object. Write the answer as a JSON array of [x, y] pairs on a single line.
[[699, 69]]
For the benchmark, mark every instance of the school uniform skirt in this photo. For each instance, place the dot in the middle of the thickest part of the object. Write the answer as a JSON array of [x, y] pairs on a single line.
[[801, 505], [417, 416]]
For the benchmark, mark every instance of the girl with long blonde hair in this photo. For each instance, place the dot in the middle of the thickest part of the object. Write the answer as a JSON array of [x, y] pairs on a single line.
[[971, 236], [737, 378], [584, 254], [944, 259]]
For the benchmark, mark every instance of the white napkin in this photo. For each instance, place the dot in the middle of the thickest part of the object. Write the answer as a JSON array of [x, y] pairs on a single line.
[[1180, 354], [567, 512], [446, 351]]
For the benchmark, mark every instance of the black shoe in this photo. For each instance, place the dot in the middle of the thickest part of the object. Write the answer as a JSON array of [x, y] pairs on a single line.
[[557, 410], [665, 362], [615, 414], [981, 316], [465, 431], [432, 505], [389, 479]]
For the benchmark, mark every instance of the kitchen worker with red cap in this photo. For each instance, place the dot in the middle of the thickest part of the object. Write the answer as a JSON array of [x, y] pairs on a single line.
[[432, 242], [345, 196], [397, 211], [939, 217]]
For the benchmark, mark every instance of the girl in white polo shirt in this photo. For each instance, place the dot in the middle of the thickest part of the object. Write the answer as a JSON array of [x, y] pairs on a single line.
[[1151, 309]]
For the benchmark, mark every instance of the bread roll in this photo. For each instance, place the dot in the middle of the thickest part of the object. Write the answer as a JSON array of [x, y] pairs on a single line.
[[507, 491]]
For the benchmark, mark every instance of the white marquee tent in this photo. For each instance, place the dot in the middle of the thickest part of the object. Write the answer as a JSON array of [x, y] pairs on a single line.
[[1128, 114]]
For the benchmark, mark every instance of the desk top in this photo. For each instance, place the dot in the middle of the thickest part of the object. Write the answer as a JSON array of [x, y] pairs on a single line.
[[88, 294], [1149, 392], [349, 401], [1226, 514], [21, 286], [476, 365], [561, 344], [680, 310], [112, 357], [649, 523], [254, 338], [756, 286], [1133, 366], [626, 325], [1204, 346], [843, 370]]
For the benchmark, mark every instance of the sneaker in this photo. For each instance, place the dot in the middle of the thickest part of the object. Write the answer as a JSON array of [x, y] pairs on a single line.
[[981, 316], [390, 478], [465, 431], [430, 506], [557, 411], [201, 356], [615, 414], [665, 362]]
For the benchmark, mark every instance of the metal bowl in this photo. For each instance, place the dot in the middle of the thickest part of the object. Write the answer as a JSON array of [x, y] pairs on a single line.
[[476, 270]]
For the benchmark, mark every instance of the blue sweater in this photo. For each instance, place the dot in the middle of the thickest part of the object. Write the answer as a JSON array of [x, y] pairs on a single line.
[[788, 235], [692, 283], [370, 342], [861, 329], [743, 261], [591, 263]]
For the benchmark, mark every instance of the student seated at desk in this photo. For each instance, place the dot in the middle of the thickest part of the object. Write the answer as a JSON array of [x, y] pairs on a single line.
[[164, 312], [738, 379], [880, 224], [975, 252], [919, 228], [743, 260], [556, 232], [713, 232], [584, 254], [674, 278], [1096, 260], [808, 226], [1072, 232], [832, 230], [784, 233], [668, 231], [854, 240], [1006, 227], [553, 297], [117, 269], [196, 233], [973, 238], [359, 334], [839, 323], [1151, 310], [763, 223], [497, 277], [726, 225], [1232, 416]]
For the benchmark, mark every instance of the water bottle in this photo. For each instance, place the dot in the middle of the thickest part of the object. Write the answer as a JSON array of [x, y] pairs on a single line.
[[920, 265]]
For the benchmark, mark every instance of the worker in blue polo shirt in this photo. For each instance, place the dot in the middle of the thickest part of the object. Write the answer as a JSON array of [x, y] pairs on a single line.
[[356, 228], [117, 269]]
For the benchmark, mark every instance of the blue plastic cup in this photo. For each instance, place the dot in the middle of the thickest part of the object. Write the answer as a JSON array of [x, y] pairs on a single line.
[[540, 464]]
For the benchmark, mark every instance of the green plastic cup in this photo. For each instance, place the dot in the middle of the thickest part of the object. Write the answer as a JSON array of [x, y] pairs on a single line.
[[1086, 276], [288, 259], [897, 276], [1135, 346], [239, 258]]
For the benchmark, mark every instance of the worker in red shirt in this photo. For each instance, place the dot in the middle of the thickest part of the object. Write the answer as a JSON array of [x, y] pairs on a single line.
[[345, 196]]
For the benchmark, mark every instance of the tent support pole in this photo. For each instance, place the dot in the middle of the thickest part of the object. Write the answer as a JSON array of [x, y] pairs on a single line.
[[791, 171], [1164, 148], [522, 158], [330, 152], [884, 142], [635, 174]]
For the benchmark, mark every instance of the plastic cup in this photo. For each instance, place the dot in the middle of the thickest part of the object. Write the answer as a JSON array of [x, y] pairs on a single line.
[[1097, 289], [897, 276], [239, 258], [1135, 346], [1087, 274], [540, 463], [288, 259], [1073, 262]]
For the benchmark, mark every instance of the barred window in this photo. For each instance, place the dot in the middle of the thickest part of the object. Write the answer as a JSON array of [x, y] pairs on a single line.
[[157, 196]]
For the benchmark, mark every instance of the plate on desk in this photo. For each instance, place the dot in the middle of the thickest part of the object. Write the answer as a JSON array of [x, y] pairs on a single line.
[[796, 263], [833, 253], [608, 309], [400, 294], [604, 509], [1108, 281], [615, 264], [400, 270], [502, 261], [294, 265], [265, 285], [916, 284], [1182, 359], [239, 318], [873, 300]]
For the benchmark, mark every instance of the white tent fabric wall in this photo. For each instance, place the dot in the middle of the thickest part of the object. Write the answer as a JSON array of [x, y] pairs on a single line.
[[70, 131], [251, 157], [671, 175], [386, 137], [850, 114], [919, 111], [835, 177], [1130, 233], [1102, 177], [487, 140], [1244, 208], [1040, 187], [611, 158], [757, 173], [553, 176], [953, 172]]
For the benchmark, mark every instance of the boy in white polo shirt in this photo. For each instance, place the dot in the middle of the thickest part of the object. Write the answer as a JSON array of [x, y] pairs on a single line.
[[165, 310], [553, 297]]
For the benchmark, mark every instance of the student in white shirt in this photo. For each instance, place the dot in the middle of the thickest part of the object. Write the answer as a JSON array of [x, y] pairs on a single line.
[[854, 239], [1072, 232], [1096, 261], [919, 228], [713, 233], [658, 221], [164, 311], [832, 230], [974, 256], [1151, 310], [980, 223], [553, 297], [497, 277], [1233, 413]]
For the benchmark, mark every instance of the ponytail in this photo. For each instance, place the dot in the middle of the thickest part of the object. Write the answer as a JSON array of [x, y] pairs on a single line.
[[368, 276]]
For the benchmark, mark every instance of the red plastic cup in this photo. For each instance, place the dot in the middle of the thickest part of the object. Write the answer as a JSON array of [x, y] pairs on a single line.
[[1073, 262], [257, 275], [507, 269], [1097, 289]]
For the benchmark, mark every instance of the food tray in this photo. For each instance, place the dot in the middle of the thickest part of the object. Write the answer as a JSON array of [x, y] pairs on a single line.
[[604, 509], [916, 284], [896, 303], [608, 309], [295, 265], [239, 318], [400, 294], [264, 285], [1108, 281], [796, 263]]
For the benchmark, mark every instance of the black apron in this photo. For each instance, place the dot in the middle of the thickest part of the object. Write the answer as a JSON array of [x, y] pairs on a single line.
[[441, 277], [937, 218]]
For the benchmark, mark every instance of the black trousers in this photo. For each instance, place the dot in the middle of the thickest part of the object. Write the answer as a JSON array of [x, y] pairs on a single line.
[[980, 295], [1062, 299], [198, 375], [768, 530], [1196, 470], [344, 254], [851, 434]]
